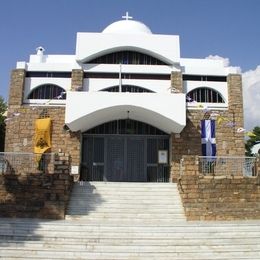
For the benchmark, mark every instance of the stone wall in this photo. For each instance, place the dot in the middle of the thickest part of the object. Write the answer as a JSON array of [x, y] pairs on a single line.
[[20, 131], [218, 197], [36, 193]]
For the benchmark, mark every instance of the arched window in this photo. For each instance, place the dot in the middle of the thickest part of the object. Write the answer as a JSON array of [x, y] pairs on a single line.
[[127, 88], [127, 57], [205, 95], [48, 91], [124, 127]]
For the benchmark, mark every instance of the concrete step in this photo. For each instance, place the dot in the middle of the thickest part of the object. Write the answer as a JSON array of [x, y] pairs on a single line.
[[208, 254], [127, 220], [126, 206], [7, 234], [118, 212], [126, 241], [125, 187], [185, 227], [96, 247], [126, 184], [95, 186], [130, 200], [112, 210], [119, 196], [124, 211]]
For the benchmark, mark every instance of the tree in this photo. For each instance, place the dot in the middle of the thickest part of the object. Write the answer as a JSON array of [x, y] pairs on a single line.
[[253, 139], [3, 108]]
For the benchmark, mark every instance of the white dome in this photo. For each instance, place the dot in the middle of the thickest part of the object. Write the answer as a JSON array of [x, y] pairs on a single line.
[[127, 26]]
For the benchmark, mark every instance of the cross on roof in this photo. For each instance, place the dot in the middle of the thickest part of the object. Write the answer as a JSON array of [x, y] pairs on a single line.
[[126, 16]]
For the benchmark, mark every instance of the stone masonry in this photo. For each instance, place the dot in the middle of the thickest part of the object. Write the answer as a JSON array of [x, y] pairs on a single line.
[[22, 139], [35, 193], [176, 82], [223, 197], [77, 78], [16, 88], [229, 142]]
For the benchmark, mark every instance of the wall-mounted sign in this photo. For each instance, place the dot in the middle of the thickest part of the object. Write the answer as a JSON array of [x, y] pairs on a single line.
[[163, 156], [74, 170]]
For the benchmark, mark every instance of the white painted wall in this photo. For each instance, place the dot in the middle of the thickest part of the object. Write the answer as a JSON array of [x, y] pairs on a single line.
[[205, 67], [52, 59]]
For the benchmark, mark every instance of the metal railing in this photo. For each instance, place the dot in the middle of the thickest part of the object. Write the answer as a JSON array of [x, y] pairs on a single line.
[[24, 163], [227, 165]]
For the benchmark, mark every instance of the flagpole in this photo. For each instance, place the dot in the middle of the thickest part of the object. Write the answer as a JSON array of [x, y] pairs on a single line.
[[120, 77]]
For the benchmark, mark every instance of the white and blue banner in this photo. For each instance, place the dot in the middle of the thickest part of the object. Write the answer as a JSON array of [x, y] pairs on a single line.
[[208, 139]]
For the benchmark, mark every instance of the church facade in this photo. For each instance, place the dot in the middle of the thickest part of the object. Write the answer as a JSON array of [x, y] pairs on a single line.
[[125, 107]]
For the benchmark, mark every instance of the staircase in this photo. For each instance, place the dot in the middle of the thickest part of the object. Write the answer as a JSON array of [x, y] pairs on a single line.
[[127, 221], [126, 203]]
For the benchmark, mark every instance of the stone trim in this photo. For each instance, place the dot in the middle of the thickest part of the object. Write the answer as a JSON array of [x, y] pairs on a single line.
[[77, 79], [176, 82], [16, 87]]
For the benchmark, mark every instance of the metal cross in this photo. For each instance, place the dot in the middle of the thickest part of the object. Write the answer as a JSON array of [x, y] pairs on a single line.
[[126, 16]]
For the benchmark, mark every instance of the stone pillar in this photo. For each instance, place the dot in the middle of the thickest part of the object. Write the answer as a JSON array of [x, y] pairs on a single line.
[[16, 88], [15, 102], [235, 96], [77, 79], [176, 82], [235, 110], [176, 139]]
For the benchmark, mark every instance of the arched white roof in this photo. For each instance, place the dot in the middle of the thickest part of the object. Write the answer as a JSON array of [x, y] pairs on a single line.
[[150, 108], [128, 27]]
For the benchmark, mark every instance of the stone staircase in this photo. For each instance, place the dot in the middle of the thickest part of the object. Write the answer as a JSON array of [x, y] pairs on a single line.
[[126, 203], [127, 221]]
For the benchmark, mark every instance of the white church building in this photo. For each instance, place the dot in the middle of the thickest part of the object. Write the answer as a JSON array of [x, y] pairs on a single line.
[[126, 106]]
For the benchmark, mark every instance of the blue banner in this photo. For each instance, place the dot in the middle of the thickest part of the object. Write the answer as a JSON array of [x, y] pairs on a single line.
[[208, 139]]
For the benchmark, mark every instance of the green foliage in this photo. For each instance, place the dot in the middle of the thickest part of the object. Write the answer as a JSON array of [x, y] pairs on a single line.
[[3, 108], [252, 140]]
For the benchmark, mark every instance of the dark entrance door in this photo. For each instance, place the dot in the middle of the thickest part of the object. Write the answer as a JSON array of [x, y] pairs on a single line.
[[124, 157], [115, 159]]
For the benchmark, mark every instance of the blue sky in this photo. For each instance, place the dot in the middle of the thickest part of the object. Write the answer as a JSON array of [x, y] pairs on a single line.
[[227, 28]]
